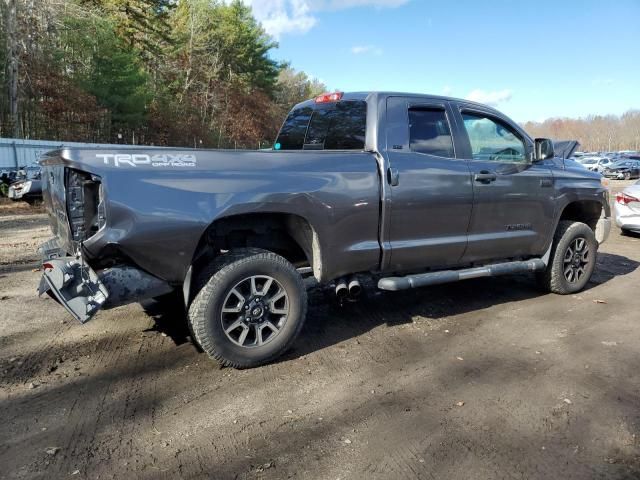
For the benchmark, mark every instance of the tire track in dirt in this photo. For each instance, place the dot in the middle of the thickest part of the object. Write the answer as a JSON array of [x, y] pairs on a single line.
[[144, 408], [87, 416]]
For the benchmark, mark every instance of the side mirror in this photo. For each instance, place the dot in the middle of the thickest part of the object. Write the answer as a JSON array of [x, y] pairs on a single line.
[[544, 149]]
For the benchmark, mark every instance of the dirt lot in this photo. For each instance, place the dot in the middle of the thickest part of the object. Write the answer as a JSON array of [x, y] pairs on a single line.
[[486, 378]]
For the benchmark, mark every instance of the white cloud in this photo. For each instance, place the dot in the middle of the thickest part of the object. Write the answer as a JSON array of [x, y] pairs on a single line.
[[492, 98], [602, 82], [447, 90], [364, 49], [279, 17]]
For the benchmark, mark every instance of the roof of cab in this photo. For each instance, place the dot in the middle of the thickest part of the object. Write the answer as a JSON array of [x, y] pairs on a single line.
[[365, 96]]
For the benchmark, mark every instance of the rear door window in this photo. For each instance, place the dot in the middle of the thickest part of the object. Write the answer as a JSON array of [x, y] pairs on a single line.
[[429, 132]]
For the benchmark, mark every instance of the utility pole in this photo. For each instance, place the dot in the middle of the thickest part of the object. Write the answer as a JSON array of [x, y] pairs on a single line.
[[12, 64]]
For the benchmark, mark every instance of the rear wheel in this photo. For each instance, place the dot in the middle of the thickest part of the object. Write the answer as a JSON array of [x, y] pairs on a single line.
[[572, 260], [250, 310]]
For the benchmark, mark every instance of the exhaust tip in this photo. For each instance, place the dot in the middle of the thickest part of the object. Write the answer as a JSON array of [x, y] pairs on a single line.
[[342, 291], [355, 289]]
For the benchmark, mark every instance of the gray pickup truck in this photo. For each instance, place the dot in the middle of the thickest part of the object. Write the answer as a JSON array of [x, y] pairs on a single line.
[[412, 190]]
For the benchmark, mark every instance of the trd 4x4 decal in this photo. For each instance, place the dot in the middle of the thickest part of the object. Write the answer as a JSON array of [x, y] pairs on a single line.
[[158, 160]]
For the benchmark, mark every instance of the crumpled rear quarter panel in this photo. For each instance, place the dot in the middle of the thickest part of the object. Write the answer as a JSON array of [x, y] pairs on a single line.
[[157, 214]]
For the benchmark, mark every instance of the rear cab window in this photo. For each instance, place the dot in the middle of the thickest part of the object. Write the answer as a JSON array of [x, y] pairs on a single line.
[[329, 126], [291, 136]]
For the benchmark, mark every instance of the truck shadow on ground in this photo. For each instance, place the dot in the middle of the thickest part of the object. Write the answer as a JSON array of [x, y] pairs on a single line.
[[609, 266], [411, 412], [170, 319], [329, 323]]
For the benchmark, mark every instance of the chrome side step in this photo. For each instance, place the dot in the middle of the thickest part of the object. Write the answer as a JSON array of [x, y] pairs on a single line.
[[447, 276]]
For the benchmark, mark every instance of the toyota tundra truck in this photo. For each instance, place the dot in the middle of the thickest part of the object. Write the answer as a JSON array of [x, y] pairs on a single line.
[[409, 190]]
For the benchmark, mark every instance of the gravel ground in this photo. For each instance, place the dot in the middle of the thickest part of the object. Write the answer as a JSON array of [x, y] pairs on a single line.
[[486, 378]]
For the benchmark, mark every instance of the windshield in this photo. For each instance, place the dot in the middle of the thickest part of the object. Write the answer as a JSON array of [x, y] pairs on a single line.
[[590, 161]]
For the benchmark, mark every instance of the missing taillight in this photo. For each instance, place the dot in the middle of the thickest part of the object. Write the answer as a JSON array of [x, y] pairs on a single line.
[[85, 204]]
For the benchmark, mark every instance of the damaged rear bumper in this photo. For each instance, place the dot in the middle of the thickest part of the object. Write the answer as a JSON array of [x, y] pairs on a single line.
[[83, 292], [74, 285]]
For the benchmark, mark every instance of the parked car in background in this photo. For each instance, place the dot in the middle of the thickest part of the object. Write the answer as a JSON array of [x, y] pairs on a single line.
[[566, 150], [573, 163], [27, 186], [595, 164], [26, 190], [588, 162], [627, 209], [587, 158], [623, 170], [7, 177]]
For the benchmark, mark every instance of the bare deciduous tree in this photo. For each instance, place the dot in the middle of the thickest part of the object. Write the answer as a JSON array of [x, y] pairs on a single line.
[[595, 133], [11, 29]]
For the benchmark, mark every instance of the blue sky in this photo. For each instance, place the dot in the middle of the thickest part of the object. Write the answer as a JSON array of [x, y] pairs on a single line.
[[533, 60]]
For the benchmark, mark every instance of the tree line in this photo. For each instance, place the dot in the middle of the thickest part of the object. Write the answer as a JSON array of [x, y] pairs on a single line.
[[595, 133], [193, 73]]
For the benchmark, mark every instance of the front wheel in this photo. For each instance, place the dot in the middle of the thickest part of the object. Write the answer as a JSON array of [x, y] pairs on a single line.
[[250, 310], [572, 260]]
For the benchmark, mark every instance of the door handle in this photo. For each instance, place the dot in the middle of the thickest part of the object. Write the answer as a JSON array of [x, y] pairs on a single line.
[[485, 177], [393, 176]]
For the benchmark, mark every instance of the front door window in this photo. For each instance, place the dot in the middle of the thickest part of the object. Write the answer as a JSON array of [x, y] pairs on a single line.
[[493, 141]]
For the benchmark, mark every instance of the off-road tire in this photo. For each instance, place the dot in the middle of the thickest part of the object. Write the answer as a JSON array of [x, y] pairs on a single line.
[[553, 278], [213, 286]]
